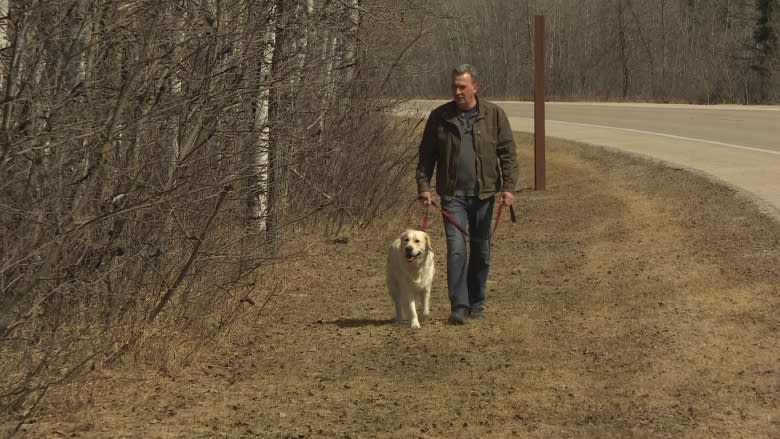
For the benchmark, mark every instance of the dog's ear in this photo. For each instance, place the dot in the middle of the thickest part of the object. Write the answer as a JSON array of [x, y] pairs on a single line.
[[428, 246]]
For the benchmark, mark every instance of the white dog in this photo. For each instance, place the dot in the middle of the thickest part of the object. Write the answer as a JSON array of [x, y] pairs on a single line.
[[410, 274]]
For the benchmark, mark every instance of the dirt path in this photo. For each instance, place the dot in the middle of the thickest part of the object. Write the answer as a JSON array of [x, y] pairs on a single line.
[[631, 300]]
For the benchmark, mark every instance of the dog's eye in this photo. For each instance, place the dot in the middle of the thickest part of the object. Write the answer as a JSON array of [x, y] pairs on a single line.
[[416, 241]]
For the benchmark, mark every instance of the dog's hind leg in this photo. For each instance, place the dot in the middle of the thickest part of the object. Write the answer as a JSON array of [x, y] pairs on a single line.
[[426, 300], [392, 287], [399, 312]]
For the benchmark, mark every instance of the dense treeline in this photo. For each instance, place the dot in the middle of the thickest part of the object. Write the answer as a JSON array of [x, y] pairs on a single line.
[[714, 51], [156, 156]]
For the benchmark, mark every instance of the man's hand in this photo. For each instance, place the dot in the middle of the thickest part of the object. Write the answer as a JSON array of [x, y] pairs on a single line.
[[425, 198], [507, 198]]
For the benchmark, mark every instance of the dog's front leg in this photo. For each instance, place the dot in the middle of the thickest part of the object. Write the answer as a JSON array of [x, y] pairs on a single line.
[[412, 312]]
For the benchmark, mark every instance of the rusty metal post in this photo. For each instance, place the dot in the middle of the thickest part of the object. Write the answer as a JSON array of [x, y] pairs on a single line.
[[539, 159]]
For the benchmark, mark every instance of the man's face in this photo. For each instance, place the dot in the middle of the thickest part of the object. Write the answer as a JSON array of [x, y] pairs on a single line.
[[464, 91]]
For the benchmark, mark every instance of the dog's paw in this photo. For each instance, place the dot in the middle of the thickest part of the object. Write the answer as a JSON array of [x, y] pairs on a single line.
[[415, 324]]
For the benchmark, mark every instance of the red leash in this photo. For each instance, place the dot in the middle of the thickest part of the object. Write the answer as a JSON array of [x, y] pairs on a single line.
[[448, 216], [424, 224], [498, 218]]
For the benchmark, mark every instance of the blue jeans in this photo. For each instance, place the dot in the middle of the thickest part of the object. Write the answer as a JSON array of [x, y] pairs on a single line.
[[467, 270]]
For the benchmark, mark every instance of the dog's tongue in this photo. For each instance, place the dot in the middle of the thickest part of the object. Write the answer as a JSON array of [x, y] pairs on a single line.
[[410, 258]]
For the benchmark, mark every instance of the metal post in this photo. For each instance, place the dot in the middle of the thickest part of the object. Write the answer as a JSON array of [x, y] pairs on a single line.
[[539, 160]]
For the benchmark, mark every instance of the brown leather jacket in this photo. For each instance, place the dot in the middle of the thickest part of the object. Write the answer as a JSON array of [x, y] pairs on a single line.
[[493, 142]]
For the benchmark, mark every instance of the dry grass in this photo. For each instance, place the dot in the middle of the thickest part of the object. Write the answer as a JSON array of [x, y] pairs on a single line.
[[619, 306]]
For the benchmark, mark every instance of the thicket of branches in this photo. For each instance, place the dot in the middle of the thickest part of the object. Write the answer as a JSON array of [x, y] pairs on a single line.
[[707, 52], [154, 156]]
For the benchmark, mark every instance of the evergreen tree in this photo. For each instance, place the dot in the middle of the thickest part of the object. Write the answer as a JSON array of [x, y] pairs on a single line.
[[765, 37]]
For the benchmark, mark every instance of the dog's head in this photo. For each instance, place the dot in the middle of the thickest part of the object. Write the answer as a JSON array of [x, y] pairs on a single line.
[[416, 245]]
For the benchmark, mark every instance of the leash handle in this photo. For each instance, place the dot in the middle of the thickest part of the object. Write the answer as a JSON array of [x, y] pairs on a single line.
[[498, 218]]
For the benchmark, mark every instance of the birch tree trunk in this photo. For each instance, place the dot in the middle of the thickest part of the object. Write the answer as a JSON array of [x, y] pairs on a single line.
[[3, 33], [259, 184], [18, 44], [349, 61], [278, 106]]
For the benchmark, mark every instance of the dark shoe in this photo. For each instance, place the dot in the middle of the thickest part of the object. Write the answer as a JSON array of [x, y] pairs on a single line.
[[459, 316], [477, 313]]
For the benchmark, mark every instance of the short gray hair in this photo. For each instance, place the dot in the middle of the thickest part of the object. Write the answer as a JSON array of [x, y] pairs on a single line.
[[465, 68]]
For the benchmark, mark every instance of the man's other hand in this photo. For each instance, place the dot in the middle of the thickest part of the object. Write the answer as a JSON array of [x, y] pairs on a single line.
[[507, 198], [425, 198]]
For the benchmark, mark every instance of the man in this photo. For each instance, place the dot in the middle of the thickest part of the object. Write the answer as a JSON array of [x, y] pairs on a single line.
[[468, 141]]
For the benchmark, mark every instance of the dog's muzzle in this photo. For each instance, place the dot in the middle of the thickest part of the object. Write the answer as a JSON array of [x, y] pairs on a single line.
[[410, 255]]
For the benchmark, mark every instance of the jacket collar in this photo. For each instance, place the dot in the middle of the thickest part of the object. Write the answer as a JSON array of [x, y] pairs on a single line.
[[450, 113]]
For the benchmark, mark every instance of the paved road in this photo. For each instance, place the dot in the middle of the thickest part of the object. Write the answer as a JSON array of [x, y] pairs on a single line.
[[738, 145]]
